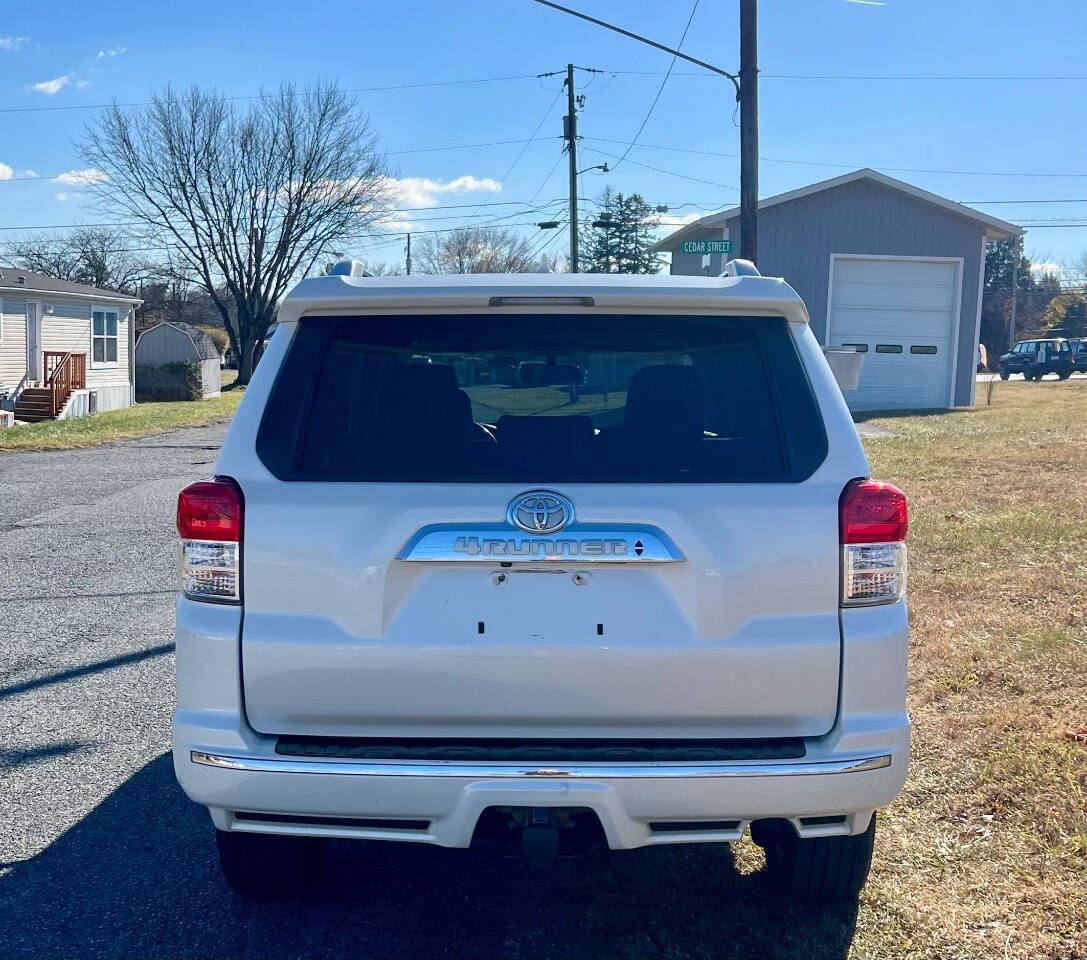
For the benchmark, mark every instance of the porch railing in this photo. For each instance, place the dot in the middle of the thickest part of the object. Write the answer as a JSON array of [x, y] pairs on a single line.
[[64, 372]]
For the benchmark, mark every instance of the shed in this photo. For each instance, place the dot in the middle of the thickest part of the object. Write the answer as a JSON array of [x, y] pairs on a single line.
[[886, 268], [162, 349]]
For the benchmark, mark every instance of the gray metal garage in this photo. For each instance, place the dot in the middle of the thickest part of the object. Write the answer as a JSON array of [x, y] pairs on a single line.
[[886, 268]]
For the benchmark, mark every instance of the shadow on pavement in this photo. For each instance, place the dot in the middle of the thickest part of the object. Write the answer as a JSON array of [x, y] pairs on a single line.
[[11, 759], [138, 877], [100, 666]]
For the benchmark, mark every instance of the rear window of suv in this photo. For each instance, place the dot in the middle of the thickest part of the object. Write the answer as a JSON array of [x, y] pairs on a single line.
[[542, 398]]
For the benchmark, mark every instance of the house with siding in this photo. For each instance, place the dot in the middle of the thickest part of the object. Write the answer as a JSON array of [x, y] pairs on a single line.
[[886, 269], [65, 348]]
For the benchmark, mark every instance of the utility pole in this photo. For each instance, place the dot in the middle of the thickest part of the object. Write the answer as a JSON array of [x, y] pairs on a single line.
[[749, 130], [569, 131], [1015, 289], [409, 255], [746, 85]]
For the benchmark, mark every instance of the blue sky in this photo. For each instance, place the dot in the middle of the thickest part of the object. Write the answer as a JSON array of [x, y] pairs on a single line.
[[1013, 130]]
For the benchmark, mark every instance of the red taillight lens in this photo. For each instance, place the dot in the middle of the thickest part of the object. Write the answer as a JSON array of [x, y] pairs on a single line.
[[872, 512], [210, 510], [209, 519]]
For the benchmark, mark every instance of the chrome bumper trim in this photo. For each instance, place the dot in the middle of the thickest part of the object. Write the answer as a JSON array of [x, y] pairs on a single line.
[[596, 771]]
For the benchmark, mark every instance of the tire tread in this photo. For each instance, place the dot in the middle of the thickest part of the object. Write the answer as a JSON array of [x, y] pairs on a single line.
[[820, 868]]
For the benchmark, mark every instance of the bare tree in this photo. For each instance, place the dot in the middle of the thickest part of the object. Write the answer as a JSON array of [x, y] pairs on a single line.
[[475, 250], [247, 198], [99, 256]]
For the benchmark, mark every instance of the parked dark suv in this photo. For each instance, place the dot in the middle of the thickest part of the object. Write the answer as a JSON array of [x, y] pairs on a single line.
[[1078, 346], [1035, 358]]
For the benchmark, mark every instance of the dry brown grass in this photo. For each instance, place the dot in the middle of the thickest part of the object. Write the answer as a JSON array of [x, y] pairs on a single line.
[[985, 853]]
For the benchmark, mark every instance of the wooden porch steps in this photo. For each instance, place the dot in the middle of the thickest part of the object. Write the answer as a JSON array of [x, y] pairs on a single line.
[[35, 404], [64, 373]]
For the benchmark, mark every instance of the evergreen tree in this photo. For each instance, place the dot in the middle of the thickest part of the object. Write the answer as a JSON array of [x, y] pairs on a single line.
[[621, 243], [636, 224], [599, 245]]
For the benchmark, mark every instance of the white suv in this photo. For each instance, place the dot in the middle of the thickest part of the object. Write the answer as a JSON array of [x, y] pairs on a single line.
[[642, 593]]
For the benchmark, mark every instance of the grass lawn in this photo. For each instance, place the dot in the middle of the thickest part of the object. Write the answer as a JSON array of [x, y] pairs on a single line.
[[135, 421], [985, 853]]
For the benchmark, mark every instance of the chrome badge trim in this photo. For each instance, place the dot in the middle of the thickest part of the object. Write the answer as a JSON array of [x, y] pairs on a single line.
[[539, 527], [504, 543]]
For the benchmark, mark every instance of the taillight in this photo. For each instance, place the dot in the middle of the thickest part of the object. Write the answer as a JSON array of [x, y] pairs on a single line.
[[209, 521], [873, 521]]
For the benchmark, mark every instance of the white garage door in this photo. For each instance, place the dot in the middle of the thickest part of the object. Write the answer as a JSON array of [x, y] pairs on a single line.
[[903, 315]]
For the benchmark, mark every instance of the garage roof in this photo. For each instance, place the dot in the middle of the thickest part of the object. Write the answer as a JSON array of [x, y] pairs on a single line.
[[202, 343], [995, 229]]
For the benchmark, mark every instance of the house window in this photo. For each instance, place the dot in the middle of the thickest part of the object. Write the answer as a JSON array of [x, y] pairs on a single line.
[[103, 337], [922, 348], [888, 348]]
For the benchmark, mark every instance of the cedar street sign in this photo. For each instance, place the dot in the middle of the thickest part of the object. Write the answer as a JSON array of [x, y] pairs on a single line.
[[706, 246]]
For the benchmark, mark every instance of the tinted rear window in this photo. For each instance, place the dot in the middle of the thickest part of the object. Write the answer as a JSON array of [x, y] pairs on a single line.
[[532, 399]]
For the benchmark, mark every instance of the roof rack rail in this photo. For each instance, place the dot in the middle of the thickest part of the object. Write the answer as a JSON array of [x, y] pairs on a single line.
[[741, 268]]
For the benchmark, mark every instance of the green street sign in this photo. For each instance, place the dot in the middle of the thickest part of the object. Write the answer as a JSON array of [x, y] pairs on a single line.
[[706, 246]]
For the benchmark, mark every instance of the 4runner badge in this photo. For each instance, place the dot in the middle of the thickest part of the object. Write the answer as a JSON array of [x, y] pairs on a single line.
[[540, 528]]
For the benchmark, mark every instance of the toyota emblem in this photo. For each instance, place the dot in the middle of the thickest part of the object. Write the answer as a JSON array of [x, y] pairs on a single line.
[[540, 511]]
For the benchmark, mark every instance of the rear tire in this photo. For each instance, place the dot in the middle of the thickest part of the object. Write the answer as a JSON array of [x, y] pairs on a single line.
[[1065, 374], [817, 868], [1004, 374], [266, 866]]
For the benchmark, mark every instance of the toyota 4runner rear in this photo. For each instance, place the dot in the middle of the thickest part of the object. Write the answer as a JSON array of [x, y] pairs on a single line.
[[549, 561]]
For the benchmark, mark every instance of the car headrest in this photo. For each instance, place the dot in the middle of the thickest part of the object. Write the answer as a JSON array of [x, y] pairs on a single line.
[[666, 399], [557, 435], [425, 396]]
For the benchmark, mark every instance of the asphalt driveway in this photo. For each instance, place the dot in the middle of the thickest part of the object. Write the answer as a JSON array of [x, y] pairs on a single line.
[[101, 855]]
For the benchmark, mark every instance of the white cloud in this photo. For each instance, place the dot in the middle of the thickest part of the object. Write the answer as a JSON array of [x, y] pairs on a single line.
[[53, 86], [87, 177], [109, 54], [28, 173], [425, 192], [13, 43], [1043, 268], [6, 173], [81, 84], [674, 222], [62, 196]]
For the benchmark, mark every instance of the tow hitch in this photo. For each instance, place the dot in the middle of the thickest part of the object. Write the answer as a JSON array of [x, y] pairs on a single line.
[[540, 838], [540, 833]]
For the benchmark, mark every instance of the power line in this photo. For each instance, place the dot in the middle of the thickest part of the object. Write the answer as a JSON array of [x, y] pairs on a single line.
[[660, 89], [673, 173], [51, 177], [848, 166], [546, 180], [265, 96], [378, 88], [888, 77], [394, 238], [521, 153]]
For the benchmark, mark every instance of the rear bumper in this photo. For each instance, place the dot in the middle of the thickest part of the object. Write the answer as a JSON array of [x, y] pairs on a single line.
[[854, 769], [367, 799]]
